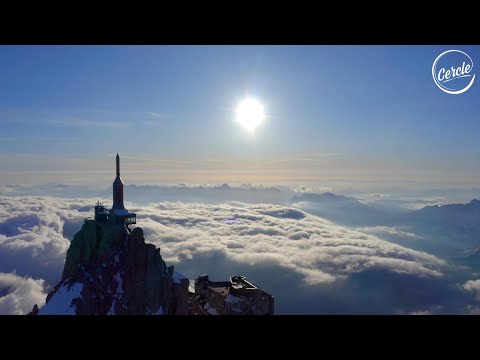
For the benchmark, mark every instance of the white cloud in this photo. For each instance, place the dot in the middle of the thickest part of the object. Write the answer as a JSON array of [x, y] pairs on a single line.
[[32, 230], [20, 294], [424, 312], [154, 115], [473, 310], [473, 286], [388, 230], [325, 266], [312, 189], [90, 123], [431, 311], [319, 250]]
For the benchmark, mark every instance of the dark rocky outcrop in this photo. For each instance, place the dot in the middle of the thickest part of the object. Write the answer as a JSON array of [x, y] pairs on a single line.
[[111, 270], [34, 311]]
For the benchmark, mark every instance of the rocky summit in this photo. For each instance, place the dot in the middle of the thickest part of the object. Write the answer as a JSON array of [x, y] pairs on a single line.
[[110, 270]]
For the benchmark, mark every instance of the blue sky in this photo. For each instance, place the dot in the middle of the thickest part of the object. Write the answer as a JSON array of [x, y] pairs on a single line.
[[334, 113]]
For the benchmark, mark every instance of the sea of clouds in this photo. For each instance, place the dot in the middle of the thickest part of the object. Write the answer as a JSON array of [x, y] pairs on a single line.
[[311, 265]]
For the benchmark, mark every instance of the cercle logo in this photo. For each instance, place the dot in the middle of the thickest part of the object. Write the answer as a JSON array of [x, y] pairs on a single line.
[[452, 71]]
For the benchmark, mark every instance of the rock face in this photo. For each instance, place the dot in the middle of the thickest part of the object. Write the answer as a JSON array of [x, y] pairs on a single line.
[[235, 297], [111, 270]]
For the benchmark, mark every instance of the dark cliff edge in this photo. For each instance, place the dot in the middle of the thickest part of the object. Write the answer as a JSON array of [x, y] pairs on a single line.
[[111, 270]]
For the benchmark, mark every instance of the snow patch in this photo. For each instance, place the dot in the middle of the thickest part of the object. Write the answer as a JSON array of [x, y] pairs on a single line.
[[160, 311], [177, 277], [191, 286], [212, 311], [61, 302], [111, 311], [232, 299], [118, 293], [120, 284]]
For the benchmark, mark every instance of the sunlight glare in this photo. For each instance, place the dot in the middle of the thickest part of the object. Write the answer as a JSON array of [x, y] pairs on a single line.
[[250, 114]]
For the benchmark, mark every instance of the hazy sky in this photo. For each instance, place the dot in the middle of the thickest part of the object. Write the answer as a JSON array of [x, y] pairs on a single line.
[[334, 113]]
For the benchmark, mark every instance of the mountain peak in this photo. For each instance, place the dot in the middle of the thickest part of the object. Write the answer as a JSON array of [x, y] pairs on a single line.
[[111, 270]]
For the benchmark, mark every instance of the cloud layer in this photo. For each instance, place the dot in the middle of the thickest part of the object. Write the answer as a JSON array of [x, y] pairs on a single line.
[[310, 265], [317, 249], [33, 234], [473, 286], [19, 294]]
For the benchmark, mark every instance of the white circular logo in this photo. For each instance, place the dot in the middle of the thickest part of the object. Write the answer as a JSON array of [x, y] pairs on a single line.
[[452, 71]]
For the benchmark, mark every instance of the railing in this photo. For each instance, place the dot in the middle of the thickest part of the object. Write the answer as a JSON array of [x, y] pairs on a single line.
[[130, 220]]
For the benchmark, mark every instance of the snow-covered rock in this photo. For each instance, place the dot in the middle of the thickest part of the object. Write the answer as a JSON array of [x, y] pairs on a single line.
[[110, 270]]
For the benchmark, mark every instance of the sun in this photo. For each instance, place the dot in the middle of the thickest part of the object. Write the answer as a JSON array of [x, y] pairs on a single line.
[[250, 114]]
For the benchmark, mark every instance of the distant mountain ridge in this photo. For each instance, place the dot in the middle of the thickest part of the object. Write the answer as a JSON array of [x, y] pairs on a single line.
[[343, 209], [450, 229], [207, 194], [464, 214]]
